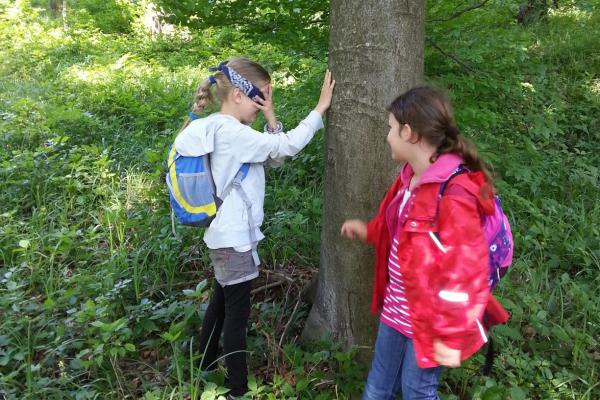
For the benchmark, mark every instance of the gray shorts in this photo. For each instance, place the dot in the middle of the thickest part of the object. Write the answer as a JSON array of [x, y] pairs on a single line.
[[231, 266]]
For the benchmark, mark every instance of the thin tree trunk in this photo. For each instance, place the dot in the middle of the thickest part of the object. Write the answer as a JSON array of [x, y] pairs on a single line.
[[376, 52]]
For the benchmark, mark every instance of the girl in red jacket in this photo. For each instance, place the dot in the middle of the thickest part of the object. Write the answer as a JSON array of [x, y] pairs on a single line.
[[431, 268]]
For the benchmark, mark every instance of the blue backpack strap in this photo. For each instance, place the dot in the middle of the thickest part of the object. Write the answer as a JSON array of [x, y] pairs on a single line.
[[244, 170], [461, 169]]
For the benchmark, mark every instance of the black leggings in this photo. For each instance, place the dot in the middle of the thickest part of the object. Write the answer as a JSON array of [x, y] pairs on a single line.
[[228, 310]]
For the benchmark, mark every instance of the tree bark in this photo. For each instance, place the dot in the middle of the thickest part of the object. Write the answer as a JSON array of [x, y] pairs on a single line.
[[55, 6], [375, 53]]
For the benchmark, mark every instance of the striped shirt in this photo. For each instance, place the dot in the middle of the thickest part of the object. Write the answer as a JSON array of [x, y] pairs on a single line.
[[395, 312]]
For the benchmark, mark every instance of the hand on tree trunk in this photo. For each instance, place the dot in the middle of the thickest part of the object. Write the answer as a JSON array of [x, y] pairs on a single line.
[[326, 93]]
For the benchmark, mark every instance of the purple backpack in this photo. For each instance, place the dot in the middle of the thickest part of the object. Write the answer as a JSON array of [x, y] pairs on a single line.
[[496, 230]]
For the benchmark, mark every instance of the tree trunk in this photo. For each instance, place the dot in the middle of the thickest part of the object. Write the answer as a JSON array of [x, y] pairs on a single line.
[[55, 6], [533, 11], [376, 53]]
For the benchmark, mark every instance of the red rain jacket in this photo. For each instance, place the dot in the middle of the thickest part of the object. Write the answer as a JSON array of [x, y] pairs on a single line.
[[446, 283]]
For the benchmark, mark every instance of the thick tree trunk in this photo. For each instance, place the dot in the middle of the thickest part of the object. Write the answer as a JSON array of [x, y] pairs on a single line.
[[376, 52]]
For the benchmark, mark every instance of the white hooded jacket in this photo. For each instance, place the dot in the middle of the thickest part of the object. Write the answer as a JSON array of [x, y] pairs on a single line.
[[232, 144]]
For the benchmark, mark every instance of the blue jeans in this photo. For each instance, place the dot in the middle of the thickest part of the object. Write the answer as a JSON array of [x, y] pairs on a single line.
[[394, 370]]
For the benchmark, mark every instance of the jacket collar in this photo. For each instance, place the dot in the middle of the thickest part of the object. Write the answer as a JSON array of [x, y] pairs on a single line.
[[437, 172]]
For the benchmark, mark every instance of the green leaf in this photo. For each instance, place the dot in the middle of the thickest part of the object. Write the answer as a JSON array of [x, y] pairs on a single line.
[[507, 331], [493, 393], [516, 393], [252, 384], [302, 385]]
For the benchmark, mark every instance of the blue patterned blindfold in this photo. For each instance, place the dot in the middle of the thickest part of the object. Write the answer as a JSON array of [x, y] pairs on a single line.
[[237, 81]]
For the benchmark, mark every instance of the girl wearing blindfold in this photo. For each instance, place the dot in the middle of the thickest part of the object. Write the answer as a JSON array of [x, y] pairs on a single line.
[[243, 89]]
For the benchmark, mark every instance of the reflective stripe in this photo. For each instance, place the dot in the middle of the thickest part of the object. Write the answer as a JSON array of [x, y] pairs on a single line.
[[437, 242], [208, 209], [481, 331], [455, 297]]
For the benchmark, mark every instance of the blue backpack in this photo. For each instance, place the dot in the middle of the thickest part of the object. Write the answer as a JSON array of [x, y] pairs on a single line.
[[192, 190]]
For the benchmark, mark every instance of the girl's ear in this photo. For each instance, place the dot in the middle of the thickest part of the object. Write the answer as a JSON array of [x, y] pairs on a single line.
[[409, 134], [406, 133], [237, 95]]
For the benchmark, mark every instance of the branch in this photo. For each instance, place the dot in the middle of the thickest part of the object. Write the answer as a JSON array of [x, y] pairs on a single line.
[[265, 287], [453, 58], [459, 13], [285, 328]]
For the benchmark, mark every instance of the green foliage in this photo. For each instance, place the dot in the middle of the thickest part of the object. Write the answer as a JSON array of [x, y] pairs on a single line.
[[112, 16], [533, 112], [277, 21], [100, 300]]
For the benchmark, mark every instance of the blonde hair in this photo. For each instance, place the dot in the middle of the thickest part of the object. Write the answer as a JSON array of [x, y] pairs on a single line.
[[249, 69]]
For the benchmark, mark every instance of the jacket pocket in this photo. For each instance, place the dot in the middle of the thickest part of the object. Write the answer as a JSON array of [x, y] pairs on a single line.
[[420, 225]]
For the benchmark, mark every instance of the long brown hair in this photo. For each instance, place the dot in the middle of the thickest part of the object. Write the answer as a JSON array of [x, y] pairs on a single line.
[[249, 69], [428, 112]]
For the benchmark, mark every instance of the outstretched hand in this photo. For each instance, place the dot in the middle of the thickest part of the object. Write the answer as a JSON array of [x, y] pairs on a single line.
[[354, 229], [326, 93]]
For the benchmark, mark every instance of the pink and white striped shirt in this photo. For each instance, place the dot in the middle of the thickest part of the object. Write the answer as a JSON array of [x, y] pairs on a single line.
[[395, 312]]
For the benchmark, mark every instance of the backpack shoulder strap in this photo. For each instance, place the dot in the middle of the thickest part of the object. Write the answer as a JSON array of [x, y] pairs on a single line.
[[460, 170], [237, 180], [237, 184], [244, 170]]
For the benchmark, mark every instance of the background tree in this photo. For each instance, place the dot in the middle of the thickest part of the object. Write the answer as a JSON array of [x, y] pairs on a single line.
[[55, 6], [375, 53], [59, 7], [534, 10]]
